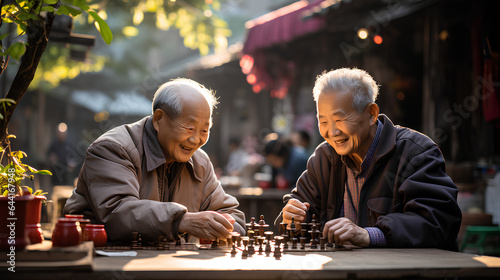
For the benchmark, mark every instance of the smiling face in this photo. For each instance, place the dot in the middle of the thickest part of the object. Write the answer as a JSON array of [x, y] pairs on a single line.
[[348, 131], [180, 137]]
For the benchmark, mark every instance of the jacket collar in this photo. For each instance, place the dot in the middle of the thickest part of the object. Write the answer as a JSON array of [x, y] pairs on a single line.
[[153, 154], [387, 140]]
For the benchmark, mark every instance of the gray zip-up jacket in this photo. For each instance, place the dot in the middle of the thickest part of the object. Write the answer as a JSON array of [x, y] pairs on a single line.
[[117, 188]]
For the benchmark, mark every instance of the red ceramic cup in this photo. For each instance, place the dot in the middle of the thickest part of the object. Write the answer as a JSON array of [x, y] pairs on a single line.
[[97, 234], [74, 216], [66, 233], [33, 219]]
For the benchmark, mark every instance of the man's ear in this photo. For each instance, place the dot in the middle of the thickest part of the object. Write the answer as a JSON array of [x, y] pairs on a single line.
[[373, 110], [157, 116]]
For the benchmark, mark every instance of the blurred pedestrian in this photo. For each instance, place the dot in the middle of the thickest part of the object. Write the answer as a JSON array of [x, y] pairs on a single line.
[[288, 162]]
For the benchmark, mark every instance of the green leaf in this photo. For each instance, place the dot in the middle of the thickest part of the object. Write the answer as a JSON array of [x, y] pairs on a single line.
[[7, 100], [43, 172], [39, 192], [81, 4], [68, 10], [16, 50], [50, 2], [104, 29], [49, 9], [3, 36]]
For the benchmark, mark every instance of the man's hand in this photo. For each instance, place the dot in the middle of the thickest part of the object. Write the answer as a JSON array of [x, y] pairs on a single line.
[[296, 209], [342, 231], [229, 218], [206, 225]]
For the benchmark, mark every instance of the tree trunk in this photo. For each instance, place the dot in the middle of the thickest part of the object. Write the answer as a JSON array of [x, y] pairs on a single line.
[[38, 34]]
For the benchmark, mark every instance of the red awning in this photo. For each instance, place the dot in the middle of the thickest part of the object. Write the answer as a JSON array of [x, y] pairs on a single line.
[[282, 25]]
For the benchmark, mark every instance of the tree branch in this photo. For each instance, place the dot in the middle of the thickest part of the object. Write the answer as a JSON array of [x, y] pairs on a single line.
[[38, 32]]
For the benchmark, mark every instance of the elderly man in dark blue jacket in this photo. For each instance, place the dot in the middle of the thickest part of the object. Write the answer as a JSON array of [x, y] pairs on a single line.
[[372, 183]]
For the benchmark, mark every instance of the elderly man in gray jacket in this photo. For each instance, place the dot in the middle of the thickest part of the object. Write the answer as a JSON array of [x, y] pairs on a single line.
[[152, 177]]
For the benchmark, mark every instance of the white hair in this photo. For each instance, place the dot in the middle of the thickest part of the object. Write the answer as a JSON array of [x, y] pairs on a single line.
[[168, 96], [364, 89]]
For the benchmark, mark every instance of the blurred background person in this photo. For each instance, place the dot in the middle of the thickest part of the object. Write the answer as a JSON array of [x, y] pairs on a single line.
[[287, 160], [302, 140], [61, 162], [238, 157]]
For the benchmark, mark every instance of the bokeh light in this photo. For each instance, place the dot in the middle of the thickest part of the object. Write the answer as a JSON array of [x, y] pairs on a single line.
[[443, 35], [246, 64], [251, 79], [207, 13], [363, 33], [378, 39], [62, 127]]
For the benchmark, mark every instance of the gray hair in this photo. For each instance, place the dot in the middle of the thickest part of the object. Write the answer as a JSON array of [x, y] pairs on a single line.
[[364, 89], [168, 96]]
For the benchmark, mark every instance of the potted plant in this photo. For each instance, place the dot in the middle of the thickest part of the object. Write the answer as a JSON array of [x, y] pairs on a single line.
[[20, 207]]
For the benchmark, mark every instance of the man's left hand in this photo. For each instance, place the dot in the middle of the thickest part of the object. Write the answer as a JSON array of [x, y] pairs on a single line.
[[342, 231]]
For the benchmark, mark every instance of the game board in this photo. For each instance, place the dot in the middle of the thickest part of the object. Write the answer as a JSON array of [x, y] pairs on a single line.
[[258, 241]]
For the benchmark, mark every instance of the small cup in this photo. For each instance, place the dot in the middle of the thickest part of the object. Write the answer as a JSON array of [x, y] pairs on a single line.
[[67, 233], [75, 216], [96, 234]]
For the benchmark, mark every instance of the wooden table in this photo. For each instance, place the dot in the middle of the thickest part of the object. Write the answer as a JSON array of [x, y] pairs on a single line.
[[368, 263]]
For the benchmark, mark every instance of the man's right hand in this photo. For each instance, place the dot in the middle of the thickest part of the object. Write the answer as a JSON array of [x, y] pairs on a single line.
[[208, 225], [296, 209]]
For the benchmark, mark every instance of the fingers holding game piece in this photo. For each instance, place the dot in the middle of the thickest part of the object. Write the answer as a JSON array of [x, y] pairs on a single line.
[[295, 209], [208, 225]]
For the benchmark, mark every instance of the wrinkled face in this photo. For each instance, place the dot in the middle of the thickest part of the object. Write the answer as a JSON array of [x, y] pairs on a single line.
[[342, 126], [181, 137]]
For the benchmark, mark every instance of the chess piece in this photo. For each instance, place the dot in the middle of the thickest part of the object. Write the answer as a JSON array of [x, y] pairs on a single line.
[[165, 244], [322, 242], [234, 237], [244, 254], [159, 243], [139, 242], [302, 243], [314, 235], [261, 239], [285, 235], [269, 235], [293, 228], [228, 241], [277, 247], [134, 239], [278, 240], [233, 251], [251, 225], [303, 229], [303, 238], [294, 242], [262, 225], [251, 248]]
